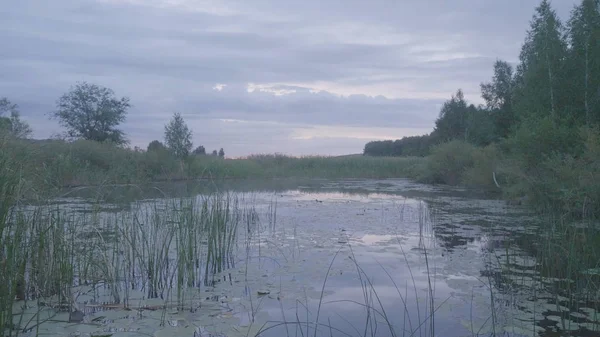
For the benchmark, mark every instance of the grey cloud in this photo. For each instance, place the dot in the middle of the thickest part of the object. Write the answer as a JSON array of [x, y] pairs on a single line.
[[313, 108], [168, 58]]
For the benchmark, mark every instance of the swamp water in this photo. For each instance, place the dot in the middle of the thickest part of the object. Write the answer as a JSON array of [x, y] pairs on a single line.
[[329, 258]]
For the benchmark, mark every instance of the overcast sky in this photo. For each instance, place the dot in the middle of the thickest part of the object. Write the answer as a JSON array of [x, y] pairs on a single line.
[[262, 76]]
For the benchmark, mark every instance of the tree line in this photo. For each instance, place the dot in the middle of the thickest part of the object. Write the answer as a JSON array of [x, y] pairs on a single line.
[[555, 84], [92, 112], [415, 146]]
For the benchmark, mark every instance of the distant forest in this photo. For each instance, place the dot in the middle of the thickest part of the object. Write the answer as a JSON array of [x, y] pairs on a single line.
[[555, 87]]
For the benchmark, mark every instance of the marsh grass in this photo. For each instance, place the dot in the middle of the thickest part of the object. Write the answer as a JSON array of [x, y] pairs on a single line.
[[38, 266], [181, 244], [50, 165], [570, 253], [168, 249]]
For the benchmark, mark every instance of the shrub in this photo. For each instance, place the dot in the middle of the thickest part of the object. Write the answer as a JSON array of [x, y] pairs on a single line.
[[485, 163], [448, 162], [539, 139], [543, 164], [569, 183]]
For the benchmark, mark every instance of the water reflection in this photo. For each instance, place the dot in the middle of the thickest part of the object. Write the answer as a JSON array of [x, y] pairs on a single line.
[[371, 239], [436, 260], [450, 236]]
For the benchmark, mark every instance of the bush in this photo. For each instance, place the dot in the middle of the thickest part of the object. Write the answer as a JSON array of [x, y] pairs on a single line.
[[540, 139], [569, 183], [448, 163], [485, 163], [555, 167]]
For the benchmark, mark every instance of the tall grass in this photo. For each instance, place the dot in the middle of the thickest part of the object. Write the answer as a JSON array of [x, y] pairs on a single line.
[[55, 164], [165, 249], [37, 255], [12, 242]]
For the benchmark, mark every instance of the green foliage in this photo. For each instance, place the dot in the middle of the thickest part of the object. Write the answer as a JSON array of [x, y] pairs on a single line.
[[461, 163], [221, 153], [178, 136], [480, 130], [538, 76], [486, 162], [381, 148], [10, 120], [559, 174], [415, 146], [92, 112], [50, 165], [448, 162], [583, 66], [452, 121], [462, 121], [280, 166], [536, 140], [498, 98]]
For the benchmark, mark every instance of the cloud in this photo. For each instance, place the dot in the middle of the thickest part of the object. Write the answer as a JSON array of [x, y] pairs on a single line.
[[339, 71]]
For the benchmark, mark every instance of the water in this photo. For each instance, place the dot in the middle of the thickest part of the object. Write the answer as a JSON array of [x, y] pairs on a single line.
[[348, 258]]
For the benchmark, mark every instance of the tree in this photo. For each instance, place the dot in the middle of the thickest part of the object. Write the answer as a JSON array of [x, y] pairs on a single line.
[[200, 150], [498, 98], [178, 137], [221, 153], [92, 112], [452, 121], [407, 146], [480, 126], [539, 73], [214, 153], [155, 145], [10, 120], [584, 60], [379, 148]]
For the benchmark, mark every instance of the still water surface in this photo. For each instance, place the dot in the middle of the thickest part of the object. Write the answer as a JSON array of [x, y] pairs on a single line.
[[357, 258]]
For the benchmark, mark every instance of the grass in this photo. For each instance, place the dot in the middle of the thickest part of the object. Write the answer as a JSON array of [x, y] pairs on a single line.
[[165, 249], [54, 164]]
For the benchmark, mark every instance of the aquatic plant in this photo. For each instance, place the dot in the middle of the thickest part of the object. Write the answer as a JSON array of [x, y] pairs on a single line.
[[165, 248]]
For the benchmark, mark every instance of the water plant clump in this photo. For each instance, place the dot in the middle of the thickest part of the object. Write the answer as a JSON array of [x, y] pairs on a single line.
[[56, 259]]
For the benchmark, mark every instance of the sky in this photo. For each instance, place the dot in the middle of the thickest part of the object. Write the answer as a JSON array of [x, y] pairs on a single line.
[[300, 77]]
